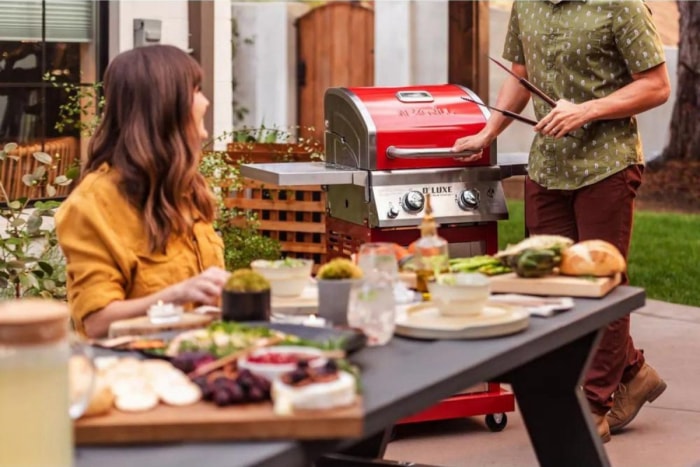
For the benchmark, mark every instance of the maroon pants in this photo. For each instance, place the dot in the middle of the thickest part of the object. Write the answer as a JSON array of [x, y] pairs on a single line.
[[599, 211]]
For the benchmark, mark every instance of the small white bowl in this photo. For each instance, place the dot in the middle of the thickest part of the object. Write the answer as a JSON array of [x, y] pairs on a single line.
[[287, 277], [460, 294], [273, 371]]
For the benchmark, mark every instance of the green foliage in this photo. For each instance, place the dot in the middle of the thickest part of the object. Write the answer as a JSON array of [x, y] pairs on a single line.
[[242, 245], [663, 258], [288, 140], [243, 242], [339, 268], [83, 109], [246, 280], [31, 264]]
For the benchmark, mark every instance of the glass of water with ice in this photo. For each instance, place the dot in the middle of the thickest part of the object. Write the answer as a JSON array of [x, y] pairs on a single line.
[[372, 308]]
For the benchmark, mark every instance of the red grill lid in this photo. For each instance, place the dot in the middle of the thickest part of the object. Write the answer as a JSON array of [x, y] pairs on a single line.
[[421, 117]]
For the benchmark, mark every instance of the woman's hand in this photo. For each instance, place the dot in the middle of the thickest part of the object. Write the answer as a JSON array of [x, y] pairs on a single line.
[[204, 288]]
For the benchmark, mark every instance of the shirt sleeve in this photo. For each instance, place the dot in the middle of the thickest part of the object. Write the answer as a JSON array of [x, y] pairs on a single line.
[[513, 47], [636, 37], [94, 276]]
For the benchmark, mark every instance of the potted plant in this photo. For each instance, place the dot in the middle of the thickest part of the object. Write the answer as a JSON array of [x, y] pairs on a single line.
[[246, 297], [335, 280]]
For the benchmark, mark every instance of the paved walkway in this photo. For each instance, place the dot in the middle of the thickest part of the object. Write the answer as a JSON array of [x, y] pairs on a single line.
[[665, 433]]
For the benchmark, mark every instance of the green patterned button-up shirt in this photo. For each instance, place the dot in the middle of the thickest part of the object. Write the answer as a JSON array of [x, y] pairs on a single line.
[[578, 51]]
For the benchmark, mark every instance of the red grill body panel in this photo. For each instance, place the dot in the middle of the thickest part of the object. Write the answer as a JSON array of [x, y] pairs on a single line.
[[421, 125]]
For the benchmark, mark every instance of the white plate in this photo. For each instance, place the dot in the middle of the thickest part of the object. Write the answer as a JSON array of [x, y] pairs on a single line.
[[424, 321]]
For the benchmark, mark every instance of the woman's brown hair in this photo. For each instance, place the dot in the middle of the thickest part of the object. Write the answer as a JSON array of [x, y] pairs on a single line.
[[149, 136]]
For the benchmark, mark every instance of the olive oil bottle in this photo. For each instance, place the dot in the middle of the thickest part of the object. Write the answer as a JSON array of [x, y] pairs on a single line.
[[430, 256]]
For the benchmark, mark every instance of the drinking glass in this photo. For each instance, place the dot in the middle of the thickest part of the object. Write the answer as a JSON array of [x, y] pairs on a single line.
[[378, 261], [372, 308]]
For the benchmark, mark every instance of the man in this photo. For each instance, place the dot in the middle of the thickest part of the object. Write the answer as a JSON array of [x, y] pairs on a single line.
[[602, 62]]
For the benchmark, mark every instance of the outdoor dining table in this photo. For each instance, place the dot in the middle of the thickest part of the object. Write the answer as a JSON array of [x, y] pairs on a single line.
[[544, 365]]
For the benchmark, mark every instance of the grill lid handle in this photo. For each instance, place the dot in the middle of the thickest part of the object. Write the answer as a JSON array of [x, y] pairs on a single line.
[[424, 153]]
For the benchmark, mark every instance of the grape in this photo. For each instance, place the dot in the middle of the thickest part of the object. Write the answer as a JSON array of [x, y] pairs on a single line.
[[303, 364], [222, 397], [236, 394], [256, 394]]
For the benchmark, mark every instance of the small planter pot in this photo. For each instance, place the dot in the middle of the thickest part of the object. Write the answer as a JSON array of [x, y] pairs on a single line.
[[245, 306], [333, 298]]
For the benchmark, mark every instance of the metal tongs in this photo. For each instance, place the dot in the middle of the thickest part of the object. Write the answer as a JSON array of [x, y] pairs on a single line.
[[527, 85]]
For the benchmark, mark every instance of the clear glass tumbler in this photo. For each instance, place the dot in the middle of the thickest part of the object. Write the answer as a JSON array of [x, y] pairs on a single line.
[[372, 308]]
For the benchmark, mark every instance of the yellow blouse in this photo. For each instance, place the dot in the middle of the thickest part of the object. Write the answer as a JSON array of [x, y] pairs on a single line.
[[106, 248]]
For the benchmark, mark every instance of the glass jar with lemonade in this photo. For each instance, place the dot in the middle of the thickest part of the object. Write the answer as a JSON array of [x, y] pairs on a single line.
[[36, 428]]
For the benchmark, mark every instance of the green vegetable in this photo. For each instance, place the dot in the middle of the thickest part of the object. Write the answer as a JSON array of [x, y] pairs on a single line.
[[484, 264], [536, 263]]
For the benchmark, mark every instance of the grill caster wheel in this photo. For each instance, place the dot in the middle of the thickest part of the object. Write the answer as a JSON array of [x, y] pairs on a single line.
[[496, 421]]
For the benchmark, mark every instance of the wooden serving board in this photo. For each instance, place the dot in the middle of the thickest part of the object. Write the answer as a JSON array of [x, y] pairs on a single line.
[[141, 325], [205, 421], [555, 285]]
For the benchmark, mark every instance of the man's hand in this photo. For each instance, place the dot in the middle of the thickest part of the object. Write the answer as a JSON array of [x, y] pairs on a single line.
[[475, 143], [564, 118]]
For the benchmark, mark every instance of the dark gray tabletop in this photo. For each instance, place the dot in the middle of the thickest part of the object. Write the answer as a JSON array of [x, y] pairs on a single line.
[[399, 379]]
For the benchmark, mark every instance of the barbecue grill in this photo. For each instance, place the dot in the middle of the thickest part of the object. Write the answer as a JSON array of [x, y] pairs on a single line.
[[386, 149]]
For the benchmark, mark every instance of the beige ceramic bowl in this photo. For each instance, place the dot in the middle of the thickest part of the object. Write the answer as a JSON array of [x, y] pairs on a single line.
[[460, 294], [287, 277]]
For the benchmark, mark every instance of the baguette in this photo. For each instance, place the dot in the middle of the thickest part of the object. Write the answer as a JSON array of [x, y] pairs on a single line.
[[592, 258]]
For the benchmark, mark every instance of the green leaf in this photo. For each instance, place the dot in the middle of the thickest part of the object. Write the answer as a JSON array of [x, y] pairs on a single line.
[[51, 191], [18, 222], [29, 281], [73, 172], [39, 172], [62, 180], [15, 205], [14, 158], [46, 267], [9, 147], [2, 155], [43, 157], [34, 223], [28, 179], [16, 264], [4, 283], [49, 284]]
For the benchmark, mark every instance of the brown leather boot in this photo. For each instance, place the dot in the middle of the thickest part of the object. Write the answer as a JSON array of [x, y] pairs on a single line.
[[601, 424], [629, 398]]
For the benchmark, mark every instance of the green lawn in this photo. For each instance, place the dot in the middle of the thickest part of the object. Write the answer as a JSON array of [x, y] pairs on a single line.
[[664, 257]]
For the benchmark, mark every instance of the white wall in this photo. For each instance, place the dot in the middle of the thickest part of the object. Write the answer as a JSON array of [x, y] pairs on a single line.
[[174, 18], [265, 61], [172, 13], [411, 42]]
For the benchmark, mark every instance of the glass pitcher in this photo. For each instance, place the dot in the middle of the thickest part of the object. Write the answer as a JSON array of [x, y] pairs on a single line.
[[36, 400]]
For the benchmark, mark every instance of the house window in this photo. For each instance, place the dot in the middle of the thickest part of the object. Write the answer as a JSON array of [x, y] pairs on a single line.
[[39, 38]]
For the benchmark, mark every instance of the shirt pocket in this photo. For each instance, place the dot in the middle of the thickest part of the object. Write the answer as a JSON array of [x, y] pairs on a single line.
[[156, 271]]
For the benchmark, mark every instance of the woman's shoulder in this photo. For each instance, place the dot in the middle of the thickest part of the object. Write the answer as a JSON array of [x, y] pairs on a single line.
[[98, 191]]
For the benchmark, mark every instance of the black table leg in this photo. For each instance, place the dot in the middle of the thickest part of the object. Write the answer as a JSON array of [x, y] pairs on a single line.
[[365, 452], [554, 408]]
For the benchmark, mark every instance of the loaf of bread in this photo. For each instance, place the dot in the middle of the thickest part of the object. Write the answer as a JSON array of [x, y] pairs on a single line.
[[592, 258]]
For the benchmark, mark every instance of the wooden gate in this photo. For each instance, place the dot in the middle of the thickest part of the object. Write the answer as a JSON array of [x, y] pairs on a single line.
[[335, 48]]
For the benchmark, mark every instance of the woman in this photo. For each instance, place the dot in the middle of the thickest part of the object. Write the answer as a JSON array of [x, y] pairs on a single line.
[[138, 227]]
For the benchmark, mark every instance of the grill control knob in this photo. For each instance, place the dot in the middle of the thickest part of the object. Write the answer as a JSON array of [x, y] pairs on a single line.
[[413, 201], [393, 212], [468, 199]]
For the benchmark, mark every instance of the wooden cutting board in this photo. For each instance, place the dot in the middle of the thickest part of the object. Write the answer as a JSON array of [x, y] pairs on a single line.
[[555, 285], [141, 325], [207, 422]]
